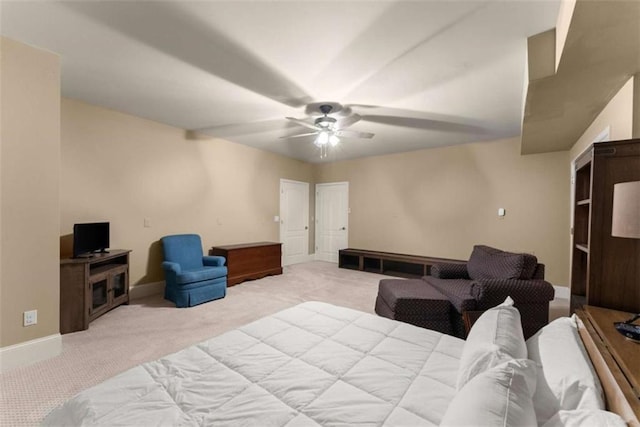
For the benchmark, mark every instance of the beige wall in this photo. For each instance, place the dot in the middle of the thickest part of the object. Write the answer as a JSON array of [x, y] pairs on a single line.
[[442, 201], [123, 169], [617, 115], [29, 191]]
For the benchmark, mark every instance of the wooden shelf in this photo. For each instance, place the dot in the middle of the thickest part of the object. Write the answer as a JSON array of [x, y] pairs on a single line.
[[103, 268], [389, 264], [605, 271], [582, 247]]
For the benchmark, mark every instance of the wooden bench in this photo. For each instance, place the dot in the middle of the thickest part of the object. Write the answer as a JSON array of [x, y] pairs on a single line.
[[390, 264]]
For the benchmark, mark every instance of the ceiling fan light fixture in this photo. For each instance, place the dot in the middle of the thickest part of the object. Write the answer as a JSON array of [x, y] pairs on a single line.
[[322, 139], [328, 130], [326, 122]]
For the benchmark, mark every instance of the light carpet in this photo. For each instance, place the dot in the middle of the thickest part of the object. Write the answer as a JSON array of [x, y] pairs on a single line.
[[151, 327]]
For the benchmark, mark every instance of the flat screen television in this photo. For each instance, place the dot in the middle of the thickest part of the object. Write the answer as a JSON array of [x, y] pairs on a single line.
[[89, 238]]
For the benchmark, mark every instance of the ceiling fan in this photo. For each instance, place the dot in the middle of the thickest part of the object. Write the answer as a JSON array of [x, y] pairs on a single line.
[[327, 128], [328, 122]]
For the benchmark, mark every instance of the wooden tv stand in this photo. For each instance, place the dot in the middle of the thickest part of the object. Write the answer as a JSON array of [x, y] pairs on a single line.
[[89, 287], [249, 261]]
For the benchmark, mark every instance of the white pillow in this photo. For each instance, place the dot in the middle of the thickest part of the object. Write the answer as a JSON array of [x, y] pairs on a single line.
[[500, 396], [585, 417], [566, 379], [494, 338]]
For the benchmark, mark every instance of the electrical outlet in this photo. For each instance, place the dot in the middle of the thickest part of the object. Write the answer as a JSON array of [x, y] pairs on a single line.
[[30, 317], [147, 223]]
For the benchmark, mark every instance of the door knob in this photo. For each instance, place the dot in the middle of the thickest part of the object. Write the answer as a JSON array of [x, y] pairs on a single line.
[[343, 228], [306, 228]]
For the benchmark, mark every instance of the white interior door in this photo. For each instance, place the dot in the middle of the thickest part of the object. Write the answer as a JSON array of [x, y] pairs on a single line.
[[332, 220], [294, 221]]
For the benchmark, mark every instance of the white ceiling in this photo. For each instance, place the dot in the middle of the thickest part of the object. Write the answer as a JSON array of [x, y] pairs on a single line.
[[453, 71]]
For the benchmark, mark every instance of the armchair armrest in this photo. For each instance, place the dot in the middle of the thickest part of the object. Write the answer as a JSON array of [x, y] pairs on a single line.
[[171, 271], [213, 261], [171, 267], [491, 292], [449, 271]]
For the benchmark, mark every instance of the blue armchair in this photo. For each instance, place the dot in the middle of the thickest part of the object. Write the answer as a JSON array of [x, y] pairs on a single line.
[[191, 278]]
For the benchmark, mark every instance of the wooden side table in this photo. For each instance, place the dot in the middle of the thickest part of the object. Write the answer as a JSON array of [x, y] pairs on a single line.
[[249, 261], [615, 358]]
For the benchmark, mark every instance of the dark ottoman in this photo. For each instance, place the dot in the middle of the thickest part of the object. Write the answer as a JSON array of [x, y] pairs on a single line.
[[414, 301]]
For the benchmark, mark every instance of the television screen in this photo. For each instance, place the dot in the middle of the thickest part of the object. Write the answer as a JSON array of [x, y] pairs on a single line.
[[90, 237]]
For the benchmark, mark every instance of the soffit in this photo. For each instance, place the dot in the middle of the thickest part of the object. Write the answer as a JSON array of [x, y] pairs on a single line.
[[601, 53]]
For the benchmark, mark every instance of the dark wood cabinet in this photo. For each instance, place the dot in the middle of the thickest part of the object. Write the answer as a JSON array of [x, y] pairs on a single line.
[[605, 270], [89, 287], [615, 358], [249, 261]]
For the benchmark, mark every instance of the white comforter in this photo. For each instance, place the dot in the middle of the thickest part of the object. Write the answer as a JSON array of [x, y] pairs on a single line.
[[312, 364]]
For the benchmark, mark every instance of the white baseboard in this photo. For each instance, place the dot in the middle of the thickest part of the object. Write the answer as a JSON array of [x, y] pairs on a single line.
[[321, 257], [146, 289], [28, 352], [562, 292], [305, 258]]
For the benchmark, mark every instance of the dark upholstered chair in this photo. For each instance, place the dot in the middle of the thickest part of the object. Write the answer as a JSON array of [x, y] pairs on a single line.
[[483, 282], [191, 278]]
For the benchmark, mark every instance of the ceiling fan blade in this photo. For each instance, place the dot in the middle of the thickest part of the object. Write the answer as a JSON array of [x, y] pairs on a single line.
[[354, 134], [302, 123], [418, 119], [248, 128], [349, 120], [298, 135], [422, 123], [200, 45]]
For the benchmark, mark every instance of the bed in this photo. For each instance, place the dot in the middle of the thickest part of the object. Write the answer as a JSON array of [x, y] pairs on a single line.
[[317, 364]]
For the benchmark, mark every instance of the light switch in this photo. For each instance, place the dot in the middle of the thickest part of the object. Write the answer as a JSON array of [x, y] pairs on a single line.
[[147, 222], [501, 212]]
